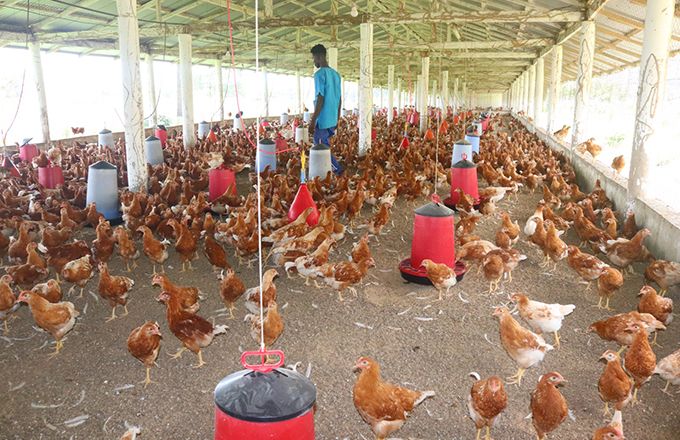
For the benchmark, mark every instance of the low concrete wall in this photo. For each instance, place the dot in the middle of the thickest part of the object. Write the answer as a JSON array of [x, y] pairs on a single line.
[[652, 214]]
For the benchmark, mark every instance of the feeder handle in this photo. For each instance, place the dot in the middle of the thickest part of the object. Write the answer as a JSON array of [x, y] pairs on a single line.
[[262, 367], [463, 156]]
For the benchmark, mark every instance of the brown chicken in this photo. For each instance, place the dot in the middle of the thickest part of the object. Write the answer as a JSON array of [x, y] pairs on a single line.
[[103, 245], [608, 283], [114, 289], [50, 290], [622, 252], [474, 251], [360, 250], [657, 306], [16, 252], [154, 249], [144, 343], [610, 223], [548, 406], [185, 243], [614, 327], [26, 274], [65, 221], [215, 253], [193, 331], [613, 431], [341, 276], [32, 256], [231, 289], [273, 325], [8, 301], [555, 249], [614, 385], [186, 296], [268, 292], [587, 266], [630, 228], [510, 228], [56, 319], [379, 220], [486, 401], [382, 405], [640, 359], [618, 164], [59, 256], [493, 269], [664, 273], [442, 277], [126, 247], [78, 272]]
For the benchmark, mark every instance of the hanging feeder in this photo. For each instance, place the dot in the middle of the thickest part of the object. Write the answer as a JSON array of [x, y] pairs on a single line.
[[301, 135], [50, 176], [478, 127], [433, 238], [463, 177], [154, 151], [9, 165], [460, 148], [105, 138], [219, 180], [429, 135], [203, 129], [303, 199], [212, 137], [238, 122], [405, 142], [102, 188], [443, 127], [319, 161], [161, 133], [283, 119], [306, 117], [266, 155], [473, 137], [28, 151]]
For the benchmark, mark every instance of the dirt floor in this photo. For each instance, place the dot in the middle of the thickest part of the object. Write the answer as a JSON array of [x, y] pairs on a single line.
[[418, 341]]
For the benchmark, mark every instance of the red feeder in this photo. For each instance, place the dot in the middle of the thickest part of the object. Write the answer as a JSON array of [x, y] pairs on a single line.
[[429, 135], [212, 137], [9, 165], [456, 119], [219, 179], [50, 176], [463, 177], [264, 402], [404, 143], [374, 134], [414, 118], [303, 200], [433, 238], [161, 133], [443, 127], [28, 151]]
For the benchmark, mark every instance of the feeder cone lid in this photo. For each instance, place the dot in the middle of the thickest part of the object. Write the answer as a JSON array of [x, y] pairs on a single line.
[[434, 210], [151, 138], [464, 164], [26, 141], [103, 165], [303, 200], [266, 141], [203, 122], [320, 147], [105, 131], [463, 142], [161, 127], [252, 396]]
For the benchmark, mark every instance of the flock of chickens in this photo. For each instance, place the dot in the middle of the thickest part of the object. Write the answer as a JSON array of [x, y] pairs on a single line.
[[46, 247]]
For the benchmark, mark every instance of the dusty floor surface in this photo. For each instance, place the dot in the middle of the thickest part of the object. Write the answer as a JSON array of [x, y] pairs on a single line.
[[417, 340]]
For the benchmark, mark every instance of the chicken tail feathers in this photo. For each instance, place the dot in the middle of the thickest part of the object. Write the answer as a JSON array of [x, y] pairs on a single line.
[[475, 375], [567, 309], [219, 329]]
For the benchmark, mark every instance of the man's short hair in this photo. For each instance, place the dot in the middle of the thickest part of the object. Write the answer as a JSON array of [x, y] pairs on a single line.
[[319, 49]]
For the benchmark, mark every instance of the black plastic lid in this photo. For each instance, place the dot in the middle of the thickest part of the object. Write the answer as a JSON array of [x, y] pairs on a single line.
[[272, 397], [463, 142], [103, 165], [161, 127], [151, 138], [464, 164], [320, 147], [267, 141], [105, 131], [434, 210], [202, 122]]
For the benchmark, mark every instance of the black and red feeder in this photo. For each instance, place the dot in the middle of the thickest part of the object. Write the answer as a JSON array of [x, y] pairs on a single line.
[[433, 239], [463, 177], [264, 402]]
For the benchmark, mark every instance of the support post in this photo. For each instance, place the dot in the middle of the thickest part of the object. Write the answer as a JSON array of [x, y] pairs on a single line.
[[555, 82], [538, 96], [399, 95], [455, 94], [365, 87], [151, 93], [445, 90], [390, 93], [220, 88], [36, 59], [333, 57], [418, 92], [188, 135], [583, 82], [525, 96], [532, 92], [266, 91], [299, 92], [179, 90], [133, 109], [651, 91], [425, 83], [464, 97], [434, 93]]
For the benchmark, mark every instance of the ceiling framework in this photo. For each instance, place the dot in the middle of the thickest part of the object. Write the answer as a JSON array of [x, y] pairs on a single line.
[[487, 43]]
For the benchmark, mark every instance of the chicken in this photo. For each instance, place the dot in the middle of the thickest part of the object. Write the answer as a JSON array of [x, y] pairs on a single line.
[[144, 343], [669, 369], [65, 221], [59, 256], [474, 251], [114, 289], [16, 252], [562, 133], [614, 327], [268, 292], [231, 289], [610, 281], [610, 223], [548, 406], [657, 306], [32, 256], [194, 332], [307, 266], [78, 272], [523, 346], [296, 228], [154, 249], [555, 249], [510, 228], [629, 226], [8, 301], [486, 401], [664, 273], [539, 235], [493, 269], [622, 252], [587, 266], [614, 431], [542, 317], [26, 274], [54, 237], [186, 296], [273, 325], [103, 245], [376, 224], [360, 250], [215, 253], [614, 384], [618, 164], [49, 290], [341, 276], [185, 243], [131, 433], [56, 319], [441, 276], [126, 247], [382, 405], [640, 360]]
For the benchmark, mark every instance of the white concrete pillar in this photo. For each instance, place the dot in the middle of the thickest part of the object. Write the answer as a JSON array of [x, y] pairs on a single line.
[[434, 94], [179, 90], [188, 134], [532, 91], [555, 83], [151, 100], [538, 95], [525, 98], [220, 88], [266, 91], [651, 92], [584, 78], [399, 95], [299, 92], [381, 97], [390, 93], [455, 93], [34, 47], [365, 87], [425, 62], [333, 57], [133, 108], [464, 97], [418, 91], [445, 89]]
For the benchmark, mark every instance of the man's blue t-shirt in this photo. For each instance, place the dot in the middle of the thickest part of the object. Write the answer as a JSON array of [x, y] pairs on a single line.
[[327, 84]]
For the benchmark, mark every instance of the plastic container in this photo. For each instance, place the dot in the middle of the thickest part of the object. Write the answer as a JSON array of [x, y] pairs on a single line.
[[306, 117], [463, 177], [102, 188], [28, 151], [460, 148], [219, 179], [203, 129], [265, 155], [319, 161], [50, 176], [283, 119], [474, 140], [154, 150], [238, 123], [105, 138], [301, 135], [162, 134]]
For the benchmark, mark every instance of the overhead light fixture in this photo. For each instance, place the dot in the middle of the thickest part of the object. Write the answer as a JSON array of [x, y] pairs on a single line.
[[354, 11]]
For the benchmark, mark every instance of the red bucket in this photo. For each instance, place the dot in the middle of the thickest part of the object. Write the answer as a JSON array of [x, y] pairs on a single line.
[[433, 235], [28, 152], [219, 180], [161, 133], [50, 176], [464, 177]]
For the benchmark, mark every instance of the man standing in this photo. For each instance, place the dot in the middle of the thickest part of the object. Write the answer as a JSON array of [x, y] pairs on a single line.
[[327, 102]]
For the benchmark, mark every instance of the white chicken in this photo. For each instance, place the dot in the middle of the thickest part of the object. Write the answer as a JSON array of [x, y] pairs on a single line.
[[542, 317], [530, 225], [669, 369]]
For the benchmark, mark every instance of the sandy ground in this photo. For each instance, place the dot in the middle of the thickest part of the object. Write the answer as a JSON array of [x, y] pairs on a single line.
[[418, 341]]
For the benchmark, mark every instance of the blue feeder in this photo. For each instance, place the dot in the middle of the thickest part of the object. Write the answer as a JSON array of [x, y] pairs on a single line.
[[266, 155], [102, 189], [319, 161]]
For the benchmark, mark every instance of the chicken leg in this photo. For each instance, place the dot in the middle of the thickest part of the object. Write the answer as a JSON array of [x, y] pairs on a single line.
[[488, 432], [148, 380], [81, 292], [58, 347], [113, 314], [606, 409], [200, 360], [557, 339], [479, 434], [517, 378], [178, 354]]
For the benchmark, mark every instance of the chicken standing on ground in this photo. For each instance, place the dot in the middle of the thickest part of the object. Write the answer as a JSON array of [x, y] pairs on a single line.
[[78, 272], [614, 327], [614, 385], [273, 325], [341, 276], [144, 343], [486, 401], [542, 317], [548, 406], [664, 273], [659, 307], [441, 276], [523, 346], [8, 301], [50, 290], [669, 369], [114, 289], [126, 247], [252, 302], [308, 265], [185, 243], [382, 405], [155, 250], [587, 266], [56, 319], [609, 281], [640, 360], [231, 289]]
